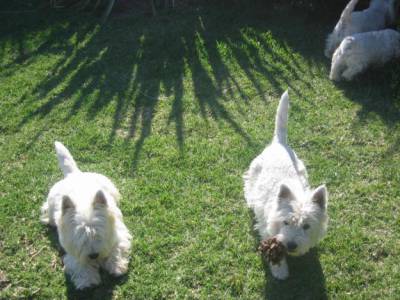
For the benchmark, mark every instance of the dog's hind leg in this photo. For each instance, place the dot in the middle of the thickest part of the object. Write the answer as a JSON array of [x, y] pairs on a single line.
[[250, 178]]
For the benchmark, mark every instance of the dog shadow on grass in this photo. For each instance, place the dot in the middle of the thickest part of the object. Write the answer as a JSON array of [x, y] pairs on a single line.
[[103, 291], [377, 90], [306, 278]]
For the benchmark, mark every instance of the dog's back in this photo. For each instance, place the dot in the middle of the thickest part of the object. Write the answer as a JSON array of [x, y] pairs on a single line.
[[362, 50], [276, 163], [377, 16]]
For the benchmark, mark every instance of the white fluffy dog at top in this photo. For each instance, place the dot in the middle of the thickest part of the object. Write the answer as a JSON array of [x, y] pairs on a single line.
[[83, 207], [358, 52], [379, 15], [285, 206]]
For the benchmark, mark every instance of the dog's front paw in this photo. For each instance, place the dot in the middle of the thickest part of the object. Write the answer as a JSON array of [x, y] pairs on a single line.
[[116, 266], [83, 281], [82, 275], [280, 271]]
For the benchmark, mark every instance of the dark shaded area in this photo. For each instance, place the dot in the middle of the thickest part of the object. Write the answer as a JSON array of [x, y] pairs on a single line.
[[378, 92], [53, 237], [130, 62], [306, 279], [103, 291]]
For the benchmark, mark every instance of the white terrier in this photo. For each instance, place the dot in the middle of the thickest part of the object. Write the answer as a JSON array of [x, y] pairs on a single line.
[[277, 189], [83, 207], [378, 15], [358, 52]]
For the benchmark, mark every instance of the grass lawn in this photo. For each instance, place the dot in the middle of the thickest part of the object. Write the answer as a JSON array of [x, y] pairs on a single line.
[[173, 109]]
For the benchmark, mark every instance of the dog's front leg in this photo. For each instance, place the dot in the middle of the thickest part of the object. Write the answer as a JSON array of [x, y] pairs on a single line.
[[82, 275], [280, 270], [117, 261]]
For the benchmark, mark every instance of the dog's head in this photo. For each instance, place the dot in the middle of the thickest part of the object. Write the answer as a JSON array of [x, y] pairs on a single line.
[[300, 219], [86, 233]]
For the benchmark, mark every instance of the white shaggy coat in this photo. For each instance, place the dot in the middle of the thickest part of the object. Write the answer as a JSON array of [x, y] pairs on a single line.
[[360, 51], [83, 207], [379, 15], [276, 188]]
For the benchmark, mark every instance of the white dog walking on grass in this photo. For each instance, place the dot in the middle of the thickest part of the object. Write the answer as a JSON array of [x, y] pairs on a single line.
[[358, 52], [379, 15], [277, 189], [83, 207]]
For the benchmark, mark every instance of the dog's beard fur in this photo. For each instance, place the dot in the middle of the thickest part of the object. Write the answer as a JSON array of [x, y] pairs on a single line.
[[298, 218], [87, 232]]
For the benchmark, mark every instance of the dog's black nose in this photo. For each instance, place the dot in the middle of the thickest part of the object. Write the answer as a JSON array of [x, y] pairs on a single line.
[[93, 255], [291, 246]]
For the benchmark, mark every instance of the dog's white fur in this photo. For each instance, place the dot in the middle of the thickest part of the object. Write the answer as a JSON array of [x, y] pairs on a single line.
[[277, 189], [379, 15], [83, 207], [358, 52]]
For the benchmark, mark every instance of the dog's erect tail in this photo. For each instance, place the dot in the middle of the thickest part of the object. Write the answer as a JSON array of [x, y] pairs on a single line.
[[346, 13], [393, 8], [65, 160], [281, 120]]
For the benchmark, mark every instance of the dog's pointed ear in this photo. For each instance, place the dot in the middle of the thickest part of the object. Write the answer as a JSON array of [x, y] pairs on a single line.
[[285, 193], [100, 198], [320, 196], [66, 204]]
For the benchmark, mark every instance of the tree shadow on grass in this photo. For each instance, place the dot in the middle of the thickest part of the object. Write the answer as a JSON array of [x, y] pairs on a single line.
[[134, 63], [103, 291], [378, 93]]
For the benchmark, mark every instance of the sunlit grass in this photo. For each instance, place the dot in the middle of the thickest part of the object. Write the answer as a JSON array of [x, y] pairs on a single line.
[[173, 109]]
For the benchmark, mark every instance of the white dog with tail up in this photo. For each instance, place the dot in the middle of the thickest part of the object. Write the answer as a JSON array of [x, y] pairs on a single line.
[[83, 207], [277, 189], [379, 15], [360, 51]]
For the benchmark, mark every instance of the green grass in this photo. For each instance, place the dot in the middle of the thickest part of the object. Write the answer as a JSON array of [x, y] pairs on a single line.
[[173, 109]]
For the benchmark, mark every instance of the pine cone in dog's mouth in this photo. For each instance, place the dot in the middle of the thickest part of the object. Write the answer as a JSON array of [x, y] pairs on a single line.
[[273, 250]]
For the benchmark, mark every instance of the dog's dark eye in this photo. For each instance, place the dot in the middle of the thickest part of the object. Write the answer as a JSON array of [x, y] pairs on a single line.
[[286, 222], [306, 226]]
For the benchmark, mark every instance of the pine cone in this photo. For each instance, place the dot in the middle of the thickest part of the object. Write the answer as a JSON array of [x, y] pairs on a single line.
[[273, 250]]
